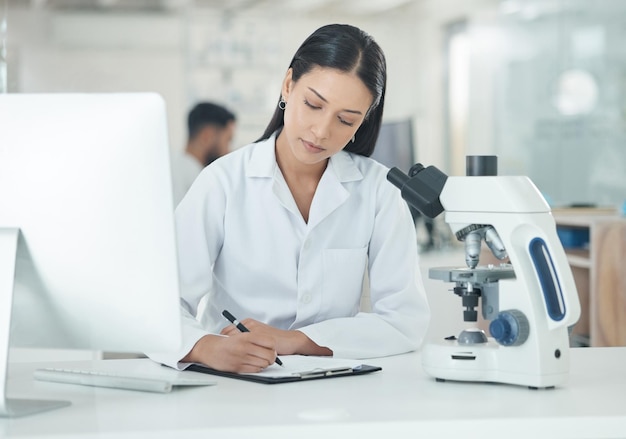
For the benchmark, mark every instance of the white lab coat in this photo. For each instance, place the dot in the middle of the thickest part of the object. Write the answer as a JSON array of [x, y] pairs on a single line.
[[243, 241]]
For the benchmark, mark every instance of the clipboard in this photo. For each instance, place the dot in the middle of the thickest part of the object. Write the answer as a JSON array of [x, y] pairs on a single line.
[[308, 375]]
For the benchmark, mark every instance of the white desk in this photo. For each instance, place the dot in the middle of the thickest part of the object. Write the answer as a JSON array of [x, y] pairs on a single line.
[[400, 401]]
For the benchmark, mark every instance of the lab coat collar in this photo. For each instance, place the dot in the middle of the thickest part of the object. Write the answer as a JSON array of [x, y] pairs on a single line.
[[330, 193], [262, 159], [263, 162], [344, 167]]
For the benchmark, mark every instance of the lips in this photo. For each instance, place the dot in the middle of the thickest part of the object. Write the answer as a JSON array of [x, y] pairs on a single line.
[[311, 147]]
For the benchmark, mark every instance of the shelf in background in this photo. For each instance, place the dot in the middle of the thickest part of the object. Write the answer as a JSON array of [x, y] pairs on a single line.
[[597, 267], [578, 257]]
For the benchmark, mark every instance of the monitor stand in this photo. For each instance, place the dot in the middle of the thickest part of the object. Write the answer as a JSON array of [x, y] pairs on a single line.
[[11, 407]]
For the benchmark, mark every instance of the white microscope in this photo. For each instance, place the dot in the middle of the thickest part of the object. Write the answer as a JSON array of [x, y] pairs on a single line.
[[530, 302]]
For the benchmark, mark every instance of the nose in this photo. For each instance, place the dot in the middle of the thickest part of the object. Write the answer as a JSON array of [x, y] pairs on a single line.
[[321, 127]]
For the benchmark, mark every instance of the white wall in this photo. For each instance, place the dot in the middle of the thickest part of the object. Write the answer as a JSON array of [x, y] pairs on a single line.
[[99, 53], [92, 51]]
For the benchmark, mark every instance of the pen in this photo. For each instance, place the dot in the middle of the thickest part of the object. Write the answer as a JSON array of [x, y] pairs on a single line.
[[231, 318]]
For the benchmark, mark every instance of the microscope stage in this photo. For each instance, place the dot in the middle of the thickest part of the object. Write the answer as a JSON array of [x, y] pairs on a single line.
[[479, 275]]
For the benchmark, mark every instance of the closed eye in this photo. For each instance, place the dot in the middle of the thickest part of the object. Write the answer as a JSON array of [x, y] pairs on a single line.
[[314, 107], [308, 104]]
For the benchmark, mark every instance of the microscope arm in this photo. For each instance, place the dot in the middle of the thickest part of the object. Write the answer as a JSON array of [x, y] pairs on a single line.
[[518, 212]]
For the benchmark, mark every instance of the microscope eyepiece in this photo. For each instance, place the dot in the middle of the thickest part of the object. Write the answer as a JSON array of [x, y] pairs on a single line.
[[421, 188], [397, 177], [416, 169]]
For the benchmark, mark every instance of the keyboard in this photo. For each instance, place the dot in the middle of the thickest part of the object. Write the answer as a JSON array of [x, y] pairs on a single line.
[[117, 380]]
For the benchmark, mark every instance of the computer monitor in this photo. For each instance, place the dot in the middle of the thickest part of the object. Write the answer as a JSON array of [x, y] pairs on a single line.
[[394, 146], [87, 240]]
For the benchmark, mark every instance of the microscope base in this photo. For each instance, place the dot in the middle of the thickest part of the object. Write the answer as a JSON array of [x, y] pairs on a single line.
[[486, 362]]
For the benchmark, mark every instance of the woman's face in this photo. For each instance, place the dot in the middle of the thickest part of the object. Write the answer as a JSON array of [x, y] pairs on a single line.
[[324, 109]]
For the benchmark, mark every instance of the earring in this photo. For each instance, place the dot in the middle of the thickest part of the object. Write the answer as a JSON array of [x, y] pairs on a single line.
[[282, 104], [353, 138]]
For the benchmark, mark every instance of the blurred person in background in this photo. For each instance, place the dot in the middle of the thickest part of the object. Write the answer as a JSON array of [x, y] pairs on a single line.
[[211, 128]]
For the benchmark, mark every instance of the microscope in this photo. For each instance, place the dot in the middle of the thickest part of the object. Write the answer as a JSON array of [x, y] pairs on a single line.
[[529, 296]]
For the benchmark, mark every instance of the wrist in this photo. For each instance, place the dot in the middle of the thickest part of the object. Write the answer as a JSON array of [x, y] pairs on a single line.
[[202, 349], [306, 346]]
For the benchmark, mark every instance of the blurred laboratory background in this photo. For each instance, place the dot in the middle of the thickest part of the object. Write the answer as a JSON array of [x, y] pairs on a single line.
[[540, 83]]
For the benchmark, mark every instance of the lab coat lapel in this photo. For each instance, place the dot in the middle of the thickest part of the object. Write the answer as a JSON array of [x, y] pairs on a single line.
[[262, 164], [284, 195], [331, 192]]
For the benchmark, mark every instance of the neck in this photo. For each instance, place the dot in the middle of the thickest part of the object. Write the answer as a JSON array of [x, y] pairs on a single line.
[[291, 167], [196, 152], [301, 178]]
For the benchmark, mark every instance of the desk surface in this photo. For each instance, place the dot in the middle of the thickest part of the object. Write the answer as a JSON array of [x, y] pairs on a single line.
[[399, 401]]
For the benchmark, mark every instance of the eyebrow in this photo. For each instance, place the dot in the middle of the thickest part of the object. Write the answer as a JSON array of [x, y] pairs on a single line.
[[324, 99]]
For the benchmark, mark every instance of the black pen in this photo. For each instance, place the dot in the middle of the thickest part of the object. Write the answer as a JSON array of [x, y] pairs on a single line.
[[231, 318]]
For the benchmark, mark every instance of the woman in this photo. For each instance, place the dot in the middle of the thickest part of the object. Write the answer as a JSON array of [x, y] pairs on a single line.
[[283, 231]]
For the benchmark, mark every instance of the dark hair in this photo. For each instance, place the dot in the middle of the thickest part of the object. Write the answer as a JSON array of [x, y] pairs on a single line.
[[207, 113], [348, 49]]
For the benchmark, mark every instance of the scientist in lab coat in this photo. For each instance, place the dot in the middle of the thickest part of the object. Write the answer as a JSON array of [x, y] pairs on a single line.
[[210, 130], [282, 232]]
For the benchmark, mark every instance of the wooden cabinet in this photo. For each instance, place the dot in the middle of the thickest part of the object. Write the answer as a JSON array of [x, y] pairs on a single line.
[[599, 270]]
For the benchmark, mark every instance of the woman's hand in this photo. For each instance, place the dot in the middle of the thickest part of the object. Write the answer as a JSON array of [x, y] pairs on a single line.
[[287, 342], [241, 352]]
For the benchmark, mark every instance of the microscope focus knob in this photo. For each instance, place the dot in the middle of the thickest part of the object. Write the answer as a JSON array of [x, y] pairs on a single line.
[[510, 328]]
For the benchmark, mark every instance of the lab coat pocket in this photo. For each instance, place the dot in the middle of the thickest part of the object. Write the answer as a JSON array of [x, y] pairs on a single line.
[[344, 270]]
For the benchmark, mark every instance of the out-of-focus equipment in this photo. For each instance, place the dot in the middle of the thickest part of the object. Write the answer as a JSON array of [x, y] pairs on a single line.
[[530, 298]]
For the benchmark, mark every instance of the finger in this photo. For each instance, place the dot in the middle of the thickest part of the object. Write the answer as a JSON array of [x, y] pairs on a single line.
[[260, 349], [262, 340], [260, 357], [250, 323], [229, 330], [246, 368]]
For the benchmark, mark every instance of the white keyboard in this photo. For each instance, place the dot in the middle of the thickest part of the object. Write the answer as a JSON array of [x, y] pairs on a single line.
[[117, 380]]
